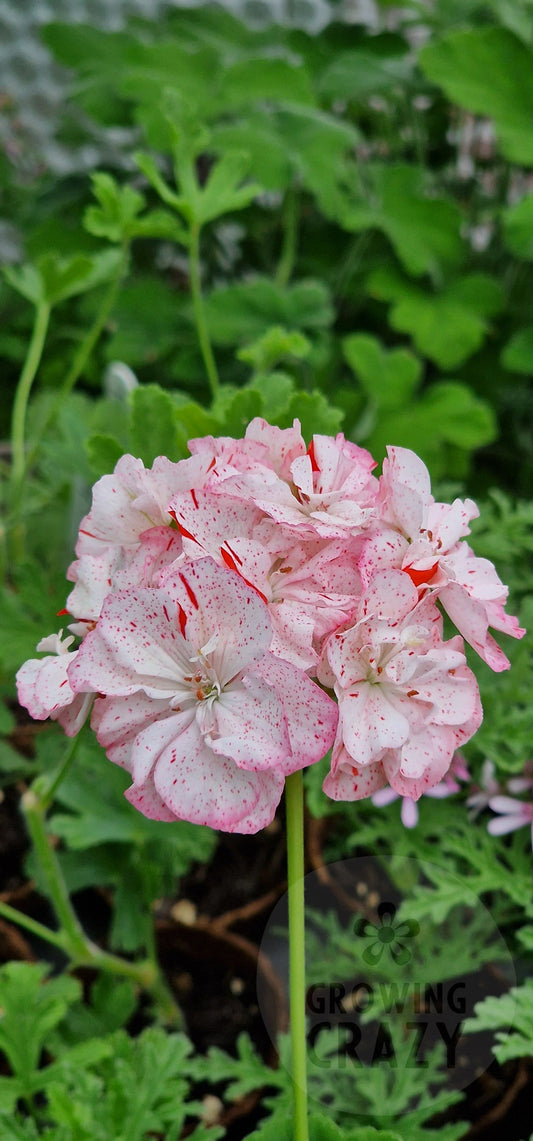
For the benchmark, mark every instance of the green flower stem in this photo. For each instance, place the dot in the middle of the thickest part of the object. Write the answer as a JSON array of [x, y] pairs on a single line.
[[53, 876], [290, 238], [45, 788], [85, 349], [22, 396], [294, 804], [199, 310]]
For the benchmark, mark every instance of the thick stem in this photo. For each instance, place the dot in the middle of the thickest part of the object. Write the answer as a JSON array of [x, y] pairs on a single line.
[[199, 310], [294, 804]]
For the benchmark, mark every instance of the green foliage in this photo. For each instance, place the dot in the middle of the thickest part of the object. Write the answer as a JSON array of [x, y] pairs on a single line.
[[30, 1012], [321, 1129], [152, 428], [518, 228], [424, 230], [273, 346], [511, 1016], [53, 279], [365, 266], [517, 354], [240, 313], [104, 1085], [445, 416], [446, 327], [391, 1096], [117, 215], [489, 71]]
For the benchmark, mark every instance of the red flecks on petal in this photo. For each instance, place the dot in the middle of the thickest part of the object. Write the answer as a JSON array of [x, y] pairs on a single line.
[[193, 497], [230, 560], [419, 577], [190, 592], [312, 457], [88, 533], [60, 613], [233, 554], [165, 612], [182, 619], [182, 530]]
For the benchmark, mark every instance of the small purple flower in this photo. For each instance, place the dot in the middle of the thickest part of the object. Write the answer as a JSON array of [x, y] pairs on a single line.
[[445, 787], [513, 814], [488, 787]]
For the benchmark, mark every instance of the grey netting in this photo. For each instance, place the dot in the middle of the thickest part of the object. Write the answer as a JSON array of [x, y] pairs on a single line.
[[32, 86]]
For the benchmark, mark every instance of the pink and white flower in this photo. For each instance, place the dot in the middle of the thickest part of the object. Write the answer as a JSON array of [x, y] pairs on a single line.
[[44, 688], [330, 491], [208, 593], [310, 588], [423, 538], [406, 699], [512, 814], [196, 708]]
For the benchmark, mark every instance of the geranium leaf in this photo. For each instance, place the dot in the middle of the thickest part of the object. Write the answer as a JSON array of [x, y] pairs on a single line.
[[447, 327], [424, 230], [489, 71]]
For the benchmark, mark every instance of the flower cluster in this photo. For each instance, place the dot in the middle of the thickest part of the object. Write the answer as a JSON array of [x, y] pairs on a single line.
[[219, 598]]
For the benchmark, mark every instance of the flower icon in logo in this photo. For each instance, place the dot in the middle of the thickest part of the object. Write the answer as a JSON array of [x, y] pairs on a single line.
[[387, 936]]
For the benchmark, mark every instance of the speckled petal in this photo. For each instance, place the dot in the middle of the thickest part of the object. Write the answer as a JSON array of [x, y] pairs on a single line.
[[311, 715], [207, 789], [251, 726]]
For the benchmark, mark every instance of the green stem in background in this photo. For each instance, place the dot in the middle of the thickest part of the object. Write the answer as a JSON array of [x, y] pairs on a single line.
[[56, 938], [27, 376], [45, 789], [53, 877], [287, 259], [199, 310], [71, 938], [294, 804], [84, 351]]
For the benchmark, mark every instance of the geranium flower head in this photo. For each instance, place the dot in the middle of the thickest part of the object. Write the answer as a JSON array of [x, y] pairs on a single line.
[[207, 721]]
